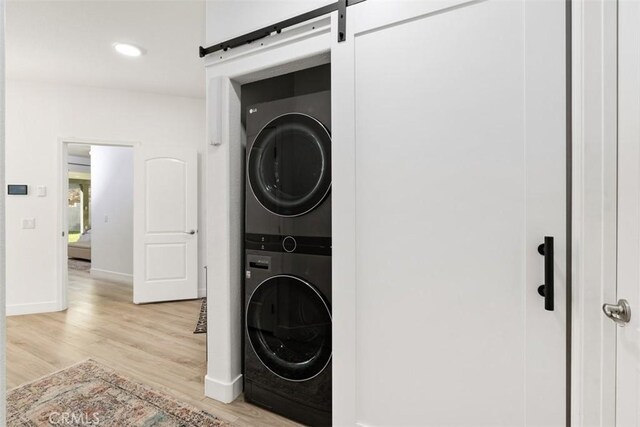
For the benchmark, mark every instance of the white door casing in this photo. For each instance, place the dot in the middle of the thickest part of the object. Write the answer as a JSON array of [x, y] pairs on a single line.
[[304, 46], [628, 285], [62, 213], [165, 224], [451, 164], [594, 153]]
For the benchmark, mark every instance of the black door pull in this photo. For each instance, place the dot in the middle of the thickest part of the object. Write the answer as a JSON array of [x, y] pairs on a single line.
[[546, 290]]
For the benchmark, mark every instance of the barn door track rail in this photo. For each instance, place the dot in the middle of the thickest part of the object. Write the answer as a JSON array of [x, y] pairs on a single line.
[[340, 6]]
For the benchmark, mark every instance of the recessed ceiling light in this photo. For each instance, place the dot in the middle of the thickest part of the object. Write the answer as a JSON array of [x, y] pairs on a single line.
[[127, 49]]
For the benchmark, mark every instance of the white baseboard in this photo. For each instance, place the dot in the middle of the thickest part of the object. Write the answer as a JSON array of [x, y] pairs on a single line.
[[32, 308], [111, 276], [223, 391]]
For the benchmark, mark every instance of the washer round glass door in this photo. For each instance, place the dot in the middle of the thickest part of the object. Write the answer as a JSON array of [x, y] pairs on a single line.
[[289, 327], [289, 165]]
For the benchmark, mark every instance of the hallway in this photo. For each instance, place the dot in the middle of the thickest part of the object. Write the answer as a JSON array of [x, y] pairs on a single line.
[[153, 344]]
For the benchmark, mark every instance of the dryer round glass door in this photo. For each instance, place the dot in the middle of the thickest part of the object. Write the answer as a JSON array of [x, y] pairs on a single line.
[[289, 327], [289, 164]]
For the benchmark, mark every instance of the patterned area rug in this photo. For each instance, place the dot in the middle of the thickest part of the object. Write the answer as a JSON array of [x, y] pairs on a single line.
[[79, 264], [91, 394], [201, 326]]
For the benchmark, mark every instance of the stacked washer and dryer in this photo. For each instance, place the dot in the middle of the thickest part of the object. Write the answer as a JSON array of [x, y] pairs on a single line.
[[287, 364]]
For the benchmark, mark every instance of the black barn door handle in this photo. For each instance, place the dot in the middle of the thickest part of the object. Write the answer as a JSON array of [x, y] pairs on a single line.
[[546, 290]]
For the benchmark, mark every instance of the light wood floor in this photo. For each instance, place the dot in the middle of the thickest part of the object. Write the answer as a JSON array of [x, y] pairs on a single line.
[[151, 343]]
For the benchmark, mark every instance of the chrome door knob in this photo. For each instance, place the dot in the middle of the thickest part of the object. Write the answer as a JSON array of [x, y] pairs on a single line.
[[619, 313]]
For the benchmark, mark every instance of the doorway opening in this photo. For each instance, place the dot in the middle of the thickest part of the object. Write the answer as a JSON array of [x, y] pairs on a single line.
[[97, 216]]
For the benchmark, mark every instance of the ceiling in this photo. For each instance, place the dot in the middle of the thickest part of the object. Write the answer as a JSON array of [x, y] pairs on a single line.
[[71, 42]]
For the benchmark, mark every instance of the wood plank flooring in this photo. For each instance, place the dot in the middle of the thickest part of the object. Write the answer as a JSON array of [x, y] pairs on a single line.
[[150, 343]]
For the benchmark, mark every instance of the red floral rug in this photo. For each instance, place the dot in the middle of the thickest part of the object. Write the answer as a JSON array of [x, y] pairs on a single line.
[[91, 394]]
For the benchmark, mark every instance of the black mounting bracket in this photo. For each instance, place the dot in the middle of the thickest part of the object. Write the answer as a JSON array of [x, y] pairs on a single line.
[[342, 20], [340, 6]]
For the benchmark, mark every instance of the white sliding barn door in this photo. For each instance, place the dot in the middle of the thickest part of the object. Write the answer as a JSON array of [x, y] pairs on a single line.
[[165, 224], [449, 130]]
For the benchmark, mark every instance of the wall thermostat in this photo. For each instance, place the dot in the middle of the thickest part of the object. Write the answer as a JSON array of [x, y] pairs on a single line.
[[17, 189]]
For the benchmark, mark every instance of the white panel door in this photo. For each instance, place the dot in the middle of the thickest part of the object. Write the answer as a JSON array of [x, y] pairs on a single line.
[[165, 228], [628, 286], [450, 170]]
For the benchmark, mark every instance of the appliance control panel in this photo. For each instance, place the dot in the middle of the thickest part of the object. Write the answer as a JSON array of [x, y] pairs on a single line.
[[310, 245]]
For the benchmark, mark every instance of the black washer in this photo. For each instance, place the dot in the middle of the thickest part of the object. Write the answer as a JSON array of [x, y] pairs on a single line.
[[289, 327], [289, 164]]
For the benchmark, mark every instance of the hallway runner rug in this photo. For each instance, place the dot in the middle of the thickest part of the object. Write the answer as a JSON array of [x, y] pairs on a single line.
[[91, 394]]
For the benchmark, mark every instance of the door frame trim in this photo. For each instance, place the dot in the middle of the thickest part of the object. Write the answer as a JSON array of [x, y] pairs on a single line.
[[61, 303], [296, 49], [624, 349], [594, 217]]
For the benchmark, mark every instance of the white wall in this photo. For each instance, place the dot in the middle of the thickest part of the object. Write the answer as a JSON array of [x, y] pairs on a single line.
[[231, 18], [38, 115], [112, 212]]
